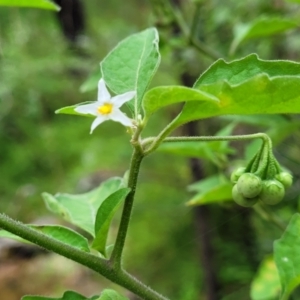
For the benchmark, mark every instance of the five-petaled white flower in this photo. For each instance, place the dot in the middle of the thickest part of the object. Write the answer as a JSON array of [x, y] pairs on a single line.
[[107, 107]]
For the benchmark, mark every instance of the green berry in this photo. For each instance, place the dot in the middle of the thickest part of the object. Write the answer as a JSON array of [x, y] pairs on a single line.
[[241, 200], [285, 178], [272, 192], [237, 174], [249, 185]]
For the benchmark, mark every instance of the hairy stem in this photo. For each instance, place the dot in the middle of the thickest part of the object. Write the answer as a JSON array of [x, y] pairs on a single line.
[[89, 260], [257, 160], [116, 256], [155, 142], [217, 138]]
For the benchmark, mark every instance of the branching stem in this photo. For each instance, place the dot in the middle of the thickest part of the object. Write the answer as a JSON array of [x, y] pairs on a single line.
[[89, 260], [189, 35], [112, 268]]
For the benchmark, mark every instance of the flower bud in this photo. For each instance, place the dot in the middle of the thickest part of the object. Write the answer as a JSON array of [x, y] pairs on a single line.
[[272, 192], [285, 178], [235, 175], [249, 185], [241, 200]]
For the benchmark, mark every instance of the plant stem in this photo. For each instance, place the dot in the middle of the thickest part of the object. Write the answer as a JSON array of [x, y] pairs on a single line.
[[116, 256], [216, 138], [269, 216], [89, 260], [255, 165], [188, 34], [195, 22], [155, 142]]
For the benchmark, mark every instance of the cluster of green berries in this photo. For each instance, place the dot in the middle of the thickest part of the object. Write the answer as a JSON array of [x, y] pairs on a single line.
[[261, 180]]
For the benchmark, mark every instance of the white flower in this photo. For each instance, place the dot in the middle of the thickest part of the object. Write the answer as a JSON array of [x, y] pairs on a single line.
[[107, 107]]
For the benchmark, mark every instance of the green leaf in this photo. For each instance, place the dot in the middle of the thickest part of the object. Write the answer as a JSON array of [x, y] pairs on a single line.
[[81, 210], [109, 294], [61, 233], [266, 283], [92, 81], [69, 295], [260, 27], [131, 65], [104, 216], [213, 189], [246, 86], [44, 4], [162, 96], [70, 110], [287, 259]]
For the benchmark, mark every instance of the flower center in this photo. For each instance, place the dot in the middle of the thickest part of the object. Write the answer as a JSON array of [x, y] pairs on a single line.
[[105, 109]]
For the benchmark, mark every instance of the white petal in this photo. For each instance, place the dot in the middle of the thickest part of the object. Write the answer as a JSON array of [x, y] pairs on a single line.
[[97, 122], [119, 100], [103, 93], [118, 116], [90, 108]]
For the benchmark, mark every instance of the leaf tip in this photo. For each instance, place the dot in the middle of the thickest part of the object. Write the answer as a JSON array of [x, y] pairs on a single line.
[[190, 203], [52, 6]]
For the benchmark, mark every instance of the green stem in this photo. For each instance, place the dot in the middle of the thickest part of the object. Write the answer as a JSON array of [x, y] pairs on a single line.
[[255, 164], [89, 260], [116, 256], [269, 216], [262, 171], [217, 138], [201, 47], [194, 27], [272, 164], [251, 163], [277, 166], [155, 142]]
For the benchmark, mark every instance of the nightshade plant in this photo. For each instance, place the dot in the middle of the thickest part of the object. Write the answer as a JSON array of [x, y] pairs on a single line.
[[245, 86], [107, 108]]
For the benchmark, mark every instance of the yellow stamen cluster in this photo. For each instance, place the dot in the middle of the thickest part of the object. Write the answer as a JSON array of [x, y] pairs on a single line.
[[105, 109]]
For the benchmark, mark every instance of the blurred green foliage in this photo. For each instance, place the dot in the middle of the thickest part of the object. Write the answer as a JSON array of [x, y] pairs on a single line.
[[41, 151]]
